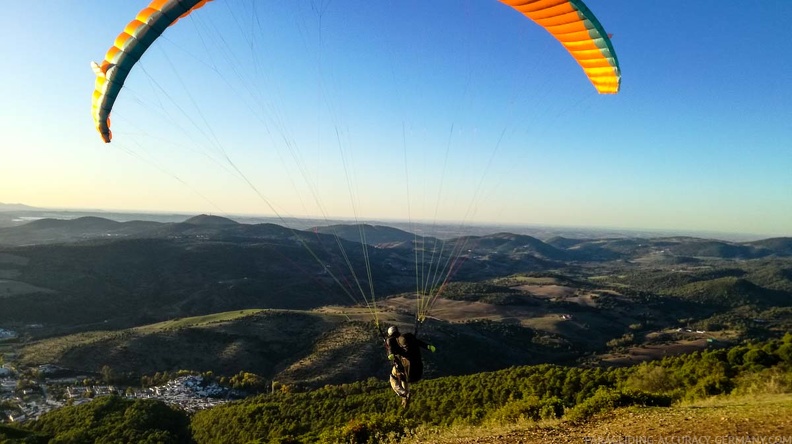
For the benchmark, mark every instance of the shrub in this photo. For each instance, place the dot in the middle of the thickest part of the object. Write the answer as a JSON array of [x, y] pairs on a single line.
[[785, 353], [758, 358], [605, 400], [736, 354], [370, 430], [652, 378], [768, 381], [552, 408], [518, 409]]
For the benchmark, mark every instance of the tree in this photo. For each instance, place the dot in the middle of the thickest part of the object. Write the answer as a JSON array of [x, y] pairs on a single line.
[[785, 352], [757, 357], [108, 376]]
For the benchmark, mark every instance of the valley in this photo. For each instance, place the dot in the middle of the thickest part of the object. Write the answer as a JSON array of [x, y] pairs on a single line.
[[120, 302]]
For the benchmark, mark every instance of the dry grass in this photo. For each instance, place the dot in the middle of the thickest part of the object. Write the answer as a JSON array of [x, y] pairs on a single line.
[[197, 321], [457, 311], [52, 349], [714, 420], [643, 353], [547, 291], [292, 346], [16, 288]]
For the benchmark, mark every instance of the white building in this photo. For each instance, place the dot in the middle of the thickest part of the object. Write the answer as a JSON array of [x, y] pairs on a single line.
[[15, 417]]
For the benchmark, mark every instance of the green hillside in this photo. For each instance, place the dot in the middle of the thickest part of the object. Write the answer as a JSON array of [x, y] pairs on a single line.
[[264, 342], [303, 348], [523, 392], [731, 292], [519, 404]]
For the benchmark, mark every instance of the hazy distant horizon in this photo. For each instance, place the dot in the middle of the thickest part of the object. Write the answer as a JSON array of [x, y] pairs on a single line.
[[411, 110], [443, 229]]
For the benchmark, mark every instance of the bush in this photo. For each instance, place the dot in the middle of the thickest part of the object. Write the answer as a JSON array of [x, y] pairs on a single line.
[[758, 358], [653, 378], [736, 354], [518, 409], [528, 409], [784, 352], [768, 381], [605, 400], [371, 430], [552, 408]]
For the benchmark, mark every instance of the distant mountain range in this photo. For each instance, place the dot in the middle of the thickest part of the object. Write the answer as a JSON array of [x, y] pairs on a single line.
[[16, 214], [206, 264], [532, 299], [49, 231]]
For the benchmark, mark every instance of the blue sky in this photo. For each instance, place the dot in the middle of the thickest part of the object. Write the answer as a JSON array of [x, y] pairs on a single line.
[[446, 110]]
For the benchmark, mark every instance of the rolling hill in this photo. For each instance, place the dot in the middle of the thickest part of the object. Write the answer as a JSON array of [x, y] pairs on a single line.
[[306, 348], [512, 299], [372, 234]]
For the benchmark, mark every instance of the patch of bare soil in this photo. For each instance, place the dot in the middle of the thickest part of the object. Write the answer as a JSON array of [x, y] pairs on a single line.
[[547, 291], [456, 311], [642, 353]]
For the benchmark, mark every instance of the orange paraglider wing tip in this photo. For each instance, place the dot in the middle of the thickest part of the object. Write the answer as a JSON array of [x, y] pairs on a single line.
[[127, 49]]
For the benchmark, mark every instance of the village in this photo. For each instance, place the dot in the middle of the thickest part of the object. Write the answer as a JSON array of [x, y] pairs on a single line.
[[22, 399]]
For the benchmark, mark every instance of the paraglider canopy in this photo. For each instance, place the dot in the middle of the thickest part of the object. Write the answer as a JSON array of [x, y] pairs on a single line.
[[578, 30], [569, 21], [127, 49]]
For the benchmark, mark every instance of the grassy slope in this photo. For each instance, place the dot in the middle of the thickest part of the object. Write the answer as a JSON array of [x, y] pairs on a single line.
[[265, 342], [328, 346], [765, 416]]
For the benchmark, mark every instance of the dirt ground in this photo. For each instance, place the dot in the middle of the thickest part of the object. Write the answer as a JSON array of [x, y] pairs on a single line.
[[642, 353], [547, 291], [456, 311]]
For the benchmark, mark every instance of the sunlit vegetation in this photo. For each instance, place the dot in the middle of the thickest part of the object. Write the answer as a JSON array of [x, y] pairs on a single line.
[[367, 411], [535, 392], [114, 419]]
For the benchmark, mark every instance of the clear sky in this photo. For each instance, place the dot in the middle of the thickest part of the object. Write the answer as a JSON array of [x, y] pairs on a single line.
[[452, 110]]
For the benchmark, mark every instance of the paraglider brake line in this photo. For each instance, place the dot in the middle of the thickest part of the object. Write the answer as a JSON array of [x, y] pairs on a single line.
[[382, 333]]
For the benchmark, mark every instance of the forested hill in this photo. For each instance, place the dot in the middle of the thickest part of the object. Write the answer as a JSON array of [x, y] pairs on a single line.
[[367, 412], [374, 234], [93, 270], [47, 231], [136, 281]]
